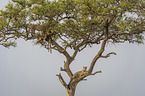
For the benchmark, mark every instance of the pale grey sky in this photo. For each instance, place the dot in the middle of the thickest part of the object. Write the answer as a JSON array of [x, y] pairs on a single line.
[[29, 70]]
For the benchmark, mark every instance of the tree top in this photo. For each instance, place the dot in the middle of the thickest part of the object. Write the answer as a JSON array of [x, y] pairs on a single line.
[[75, 23]]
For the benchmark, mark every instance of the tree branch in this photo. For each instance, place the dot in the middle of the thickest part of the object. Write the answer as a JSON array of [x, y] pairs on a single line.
[[61, 50], [69, 59], [62, 81], [77, 49], [97, 41], [102, 47], [108, 55], [125, 33], [97, 56], [61, 69], [96, 72]]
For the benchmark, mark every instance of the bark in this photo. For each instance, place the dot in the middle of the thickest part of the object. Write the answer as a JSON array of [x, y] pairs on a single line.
[[74, 80], [70, 88], [70, 91]]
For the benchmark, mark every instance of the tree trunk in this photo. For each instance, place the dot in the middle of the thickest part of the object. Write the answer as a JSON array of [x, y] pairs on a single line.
[[70, 91]]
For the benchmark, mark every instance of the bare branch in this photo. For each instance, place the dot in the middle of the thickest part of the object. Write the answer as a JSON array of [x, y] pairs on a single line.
[[108, 55], [62, 81], [61, 69], [67, 68], [83, 48], [77, 49], [61, 50], [96, 72], [69, 59], [62, 39], [97, 56]]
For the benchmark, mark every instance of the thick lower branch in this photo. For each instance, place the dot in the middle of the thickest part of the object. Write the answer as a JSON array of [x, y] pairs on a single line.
[[97, 56], [107, 23], [67, 68]]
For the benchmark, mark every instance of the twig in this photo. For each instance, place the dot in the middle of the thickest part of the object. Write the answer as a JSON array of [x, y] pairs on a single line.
[[108, 55]]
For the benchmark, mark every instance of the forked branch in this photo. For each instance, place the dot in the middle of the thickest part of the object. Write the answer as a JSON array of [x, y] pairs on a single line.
[[62, 80], [69, 59], [61, 50]]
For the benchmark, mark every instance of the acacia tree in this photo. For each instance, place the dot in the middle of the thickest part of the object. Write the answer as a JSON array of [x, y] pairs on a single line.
[[73, 24]]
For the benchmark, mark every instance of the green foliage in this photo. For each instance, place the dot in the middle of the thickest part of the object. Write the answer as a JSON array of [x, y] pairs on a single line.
[[74, 21]]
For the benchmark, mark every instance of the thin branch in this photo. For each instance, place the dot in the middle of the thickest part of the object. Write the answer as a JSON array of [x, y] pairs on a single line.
[[96, 72], [77, 49], [117, 25], [108, 55], [67, 68], [97, 40], [83, 48], [61, 69], [61, 50], [62, 39], [112, 18], [125, 33], [62, 81]]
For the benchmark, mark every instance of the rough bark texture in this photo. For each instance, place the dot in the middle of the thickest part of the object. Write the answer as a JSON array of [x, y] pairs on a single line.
[[70, 91]]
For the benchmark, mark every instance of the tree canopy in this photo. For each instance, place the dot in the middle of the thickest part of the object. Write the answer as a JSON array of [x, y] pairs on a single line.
[[73, 24]]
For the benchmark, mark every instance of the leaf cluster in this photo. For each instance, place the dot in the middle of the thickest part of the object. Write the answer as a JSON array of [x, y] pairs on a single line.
[[76, 23]]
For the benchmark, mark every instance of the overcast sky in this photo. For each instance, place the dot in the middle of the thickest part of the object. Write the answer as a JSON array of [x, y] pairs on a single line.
[[29, 70]]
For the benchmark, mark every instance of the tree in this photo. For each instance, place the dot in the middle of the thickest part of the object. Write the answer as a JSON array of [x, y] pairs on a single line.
[[65, 25]]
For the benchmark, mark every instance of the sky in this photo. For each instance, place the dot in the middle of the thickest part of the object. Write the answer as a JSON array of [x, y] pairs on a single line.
[[29, 70]]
